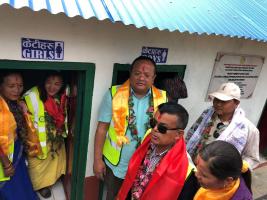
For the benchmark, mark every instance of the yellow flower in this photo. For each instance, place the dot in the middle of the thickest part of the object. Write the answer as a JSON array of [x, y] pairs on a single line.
[[122, 140]]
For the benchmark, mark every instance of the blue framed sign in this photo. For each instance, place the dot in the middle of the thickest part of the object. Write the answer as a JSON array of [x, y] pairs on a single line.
[[42, 49], [159, 55]]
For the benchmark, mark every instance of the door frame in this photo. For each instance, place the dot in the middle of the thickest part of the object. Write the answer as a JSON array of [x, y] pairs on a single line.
[[86, 73], [261, 123]]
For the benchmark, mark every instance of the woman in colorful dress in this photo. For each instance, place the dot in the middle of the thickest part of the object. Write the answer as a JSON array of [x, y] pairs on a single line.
[[222, 174], [47, 104], [16, 138]]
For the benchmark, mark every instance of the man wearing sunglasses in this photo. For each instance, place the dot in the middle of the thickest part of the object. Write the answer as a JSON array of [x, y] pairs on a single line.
[[159, 168], [226, 121], [124, 119]]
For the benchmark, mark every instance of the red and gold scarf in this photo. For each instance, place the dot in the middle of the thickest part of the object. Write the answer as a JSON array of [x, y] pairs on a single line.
[[120, 110], [7, 127], [56, 110]]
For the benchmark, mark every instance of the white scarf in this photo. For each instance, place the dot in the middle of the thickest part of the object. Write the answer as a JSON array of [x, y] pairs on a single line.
[[237, 132]]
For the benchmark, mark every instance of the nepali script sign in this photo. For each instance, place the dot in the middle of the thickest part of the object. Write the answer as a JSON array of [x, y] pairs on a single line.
[[42, 49], [159, 55], [244, 70]]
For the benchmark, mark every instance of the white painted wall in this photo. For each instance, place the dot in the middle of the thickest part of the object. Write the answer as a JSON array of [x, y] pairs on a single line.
[[105, 43]]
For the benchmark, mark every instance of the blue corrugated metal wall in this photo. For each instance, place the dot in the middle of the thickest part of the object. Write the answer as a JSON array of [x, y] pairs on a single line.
[[234, 18]]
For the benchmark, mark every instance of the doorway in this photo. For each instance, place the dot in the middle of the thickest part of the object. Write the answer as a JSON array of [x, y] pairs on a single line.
[[80, 76], [263, 131], [121, 72]]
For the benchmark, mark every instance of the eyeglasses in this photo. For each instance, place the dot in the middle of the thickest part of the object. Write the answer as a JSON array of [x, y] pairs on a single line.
[[161, 128], [218, 130]]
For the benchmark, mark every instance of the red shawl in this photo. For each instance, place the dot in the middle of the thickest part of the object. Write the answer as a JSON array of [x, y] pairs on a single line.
[[56, 111], [168, 178]]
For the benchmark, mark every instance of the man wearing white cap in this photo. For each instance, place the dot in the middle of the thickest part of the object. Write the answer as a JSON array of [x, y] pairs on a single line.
[[225, 120]]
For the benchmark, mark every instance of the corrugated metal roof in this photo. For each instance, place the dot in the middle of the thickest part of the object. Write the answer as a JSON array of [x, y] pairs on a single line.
[[234, 18]]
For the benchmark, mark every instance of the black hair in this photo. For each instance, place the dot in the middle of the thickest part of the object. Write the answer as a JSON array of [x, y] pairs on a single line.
[[4, 74], [175, 88], [224, 160], [175, 109], [41, 86], [143, 58]]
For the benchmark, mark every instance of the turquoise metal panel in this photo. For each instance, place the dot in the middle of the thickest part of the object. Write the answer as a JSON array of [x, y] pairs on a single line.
[[234, 18]]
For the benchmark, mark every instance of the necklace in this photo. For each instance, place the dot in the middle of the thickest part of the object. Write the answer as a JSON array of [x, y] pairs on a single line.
[[132, 118]]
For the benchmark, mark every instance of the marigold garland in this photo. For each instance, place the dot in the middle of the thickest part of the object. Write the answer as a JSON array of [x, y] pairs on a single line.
[[132, 118], [54, 135]]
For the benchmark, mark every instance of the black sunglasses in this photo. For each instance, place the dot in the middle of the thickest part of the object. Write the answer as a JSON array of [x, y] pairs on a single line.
[[219, 126], [161, 128]]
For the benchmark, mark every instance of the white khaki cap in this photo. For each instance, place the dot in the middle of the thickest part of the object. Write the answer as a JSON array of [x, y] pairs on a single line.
[[226, 92]]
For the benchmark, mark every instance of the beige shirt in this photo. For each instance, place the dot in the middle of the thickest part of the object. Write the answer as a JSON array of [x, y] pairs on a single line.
[[250, 152], [214, 128]]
